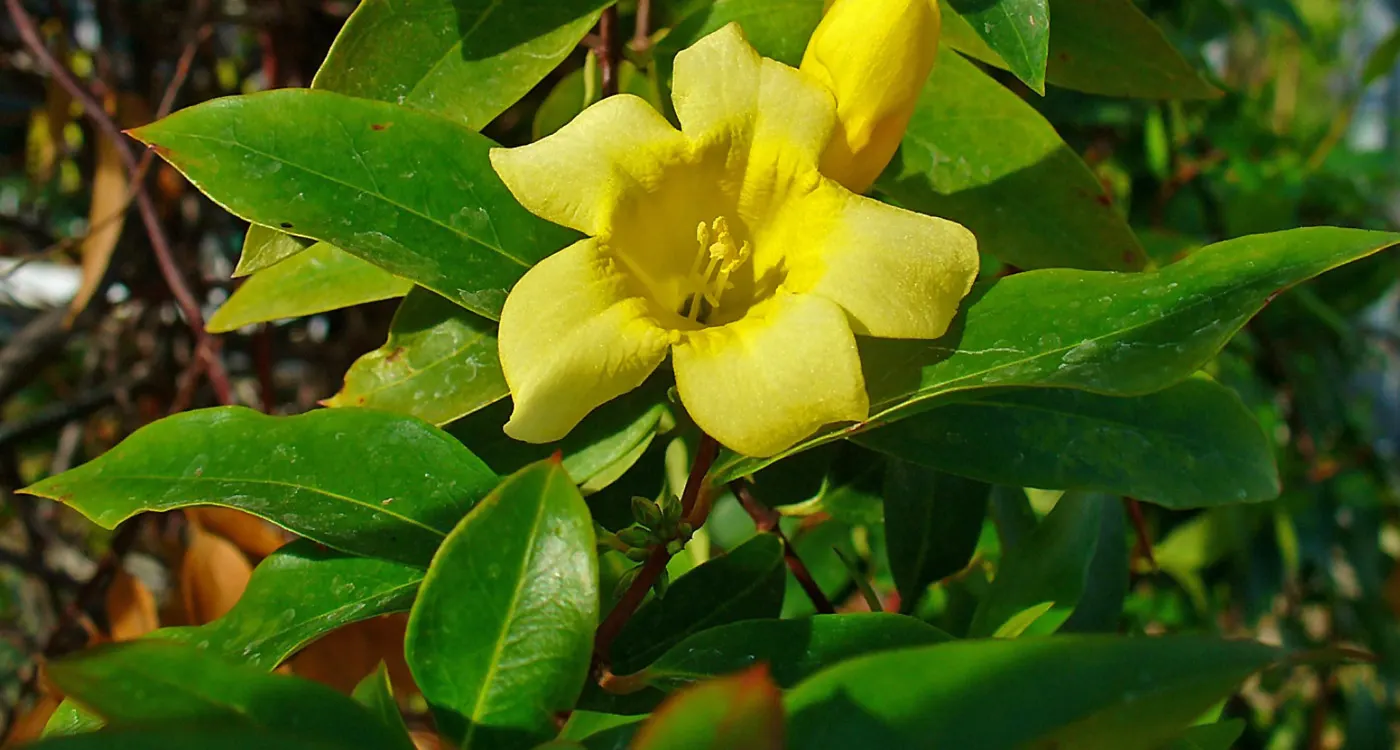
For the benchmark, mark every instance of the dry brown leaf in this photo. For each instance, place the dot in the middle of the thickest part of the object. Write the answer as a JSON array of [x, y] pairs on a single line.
[[212, 576], [30, 725], [424, 740], [343, 657], [131, 609], [256, 537]]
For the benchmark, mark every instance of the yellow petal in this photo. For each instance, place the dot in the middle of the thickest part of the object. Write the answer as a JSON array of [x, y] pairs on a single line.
[[899, 274], [762, 383], [574, 334], [874, 55], [774, 121], [577, 177]]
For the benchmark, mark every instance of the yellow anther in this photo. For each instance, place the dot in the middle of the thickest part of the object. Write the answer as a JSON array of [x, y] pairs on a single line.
[[725, 258]]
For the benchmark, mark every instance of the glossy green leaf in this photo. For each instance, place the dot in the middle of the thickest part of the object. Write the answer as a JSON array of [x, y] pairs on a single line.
[[1052, 565], [778, 30], [361, 481], [298, 594], [439, 364], [220, 738], [376, 694], [932, 523], [740, 712], [1088, 692], [500, 637], [153, 682], [264, 247], [1218, 736], [1109, 333], [1017, 30], [1191, 445], [411, 192], [745, 584], [607, 437], [570, 96], [318, 279], [467, 60], [1100, 46], [792, 649], [980, 155]]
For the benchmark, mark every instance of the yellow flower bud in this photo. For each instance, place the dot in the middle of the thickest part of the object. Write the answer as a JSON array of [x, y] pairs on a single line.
[[874, 55]]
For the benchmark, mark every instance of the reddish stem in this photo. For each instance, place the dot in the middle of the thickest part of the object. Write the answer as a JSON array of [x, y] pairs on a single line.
[[766, 520]]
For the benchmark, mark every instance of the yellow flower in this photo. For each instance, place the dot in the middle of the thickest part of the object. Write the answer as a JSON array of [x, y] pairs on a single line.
[[874, 55], [722, 244]]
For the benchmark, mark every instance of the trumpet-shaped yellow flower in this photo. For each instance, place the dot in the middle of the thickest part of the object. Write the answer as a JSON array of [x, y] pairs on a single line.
[[875, 56], [722, 244]]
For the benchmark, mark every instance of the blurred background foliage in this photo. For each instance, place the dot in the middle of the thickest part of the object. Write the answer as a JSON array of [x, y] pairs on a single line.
[[1305, 134]]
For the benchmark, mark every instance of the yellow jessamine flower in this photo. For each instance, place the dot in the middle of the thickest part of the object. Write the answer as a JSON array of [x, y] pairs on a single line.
[[874, 55], [722, 244]]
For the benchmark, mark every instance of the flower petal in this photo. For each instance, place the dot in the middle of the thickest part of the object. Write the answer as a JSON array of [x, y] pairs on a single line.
[[574, 334], [579, 175], [899, 274], [762, 383], [874, 55], [775, 121]]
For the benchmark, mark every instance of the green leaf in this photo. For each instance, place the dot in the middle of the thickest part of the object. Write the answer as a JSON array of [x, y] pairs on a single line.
[[792, 649], [1382, 60], [1100, 46], [1108, 333], [212, 738], [1069, 691], [570, 96], [365, 482], [411, 192], [609, 438], [1052, 565], [932, 523], [467, 60], [1017, 30], [264, 247], [1100, 607], [298, 594], [376, 694], [1218, 736], [745, 584], [500, 637], [740, 712], [318, 279], [980, 155], [778, 30], [154, 682], [1189, 446], [439, 364]]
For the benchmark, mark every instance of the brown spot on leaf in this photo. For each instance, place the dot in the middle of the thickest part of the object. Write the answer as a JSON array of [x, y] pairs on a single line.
[[381, 126], [286, 225], [1104, 200], [394, 355]]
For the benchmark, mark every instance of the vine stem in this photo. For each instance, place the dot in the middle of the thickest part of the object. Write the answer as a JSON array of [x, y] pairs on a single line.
[[145, 207], [695, 514], [766, 520], [609, 52]]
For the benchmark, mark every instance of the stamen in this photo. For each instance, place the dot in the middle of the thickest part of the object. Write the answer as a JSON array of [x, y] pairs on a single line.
[[725, 258]]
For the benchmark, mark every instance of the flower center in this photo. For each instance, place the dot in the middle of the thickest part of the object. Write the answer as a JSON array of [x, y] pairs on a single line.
[[717, 259]]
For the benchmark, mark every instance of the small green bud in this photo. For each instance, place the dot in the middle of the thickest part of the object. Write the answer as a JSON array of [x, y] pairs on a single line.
[[638, 554], [635, 537], [670, 508], [646, 512]]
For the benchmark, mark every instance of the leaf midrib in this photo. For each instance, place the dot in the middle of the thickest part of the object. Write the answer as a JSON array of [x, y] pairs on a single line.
[[233, 144]]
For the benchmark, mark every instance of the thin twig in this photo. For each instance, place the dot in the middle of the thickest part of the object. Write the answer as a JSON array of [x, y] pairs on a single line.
[[608, 631], [609, 51], [1143, 548], [641, 39], [766, 520], [160, 243]]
